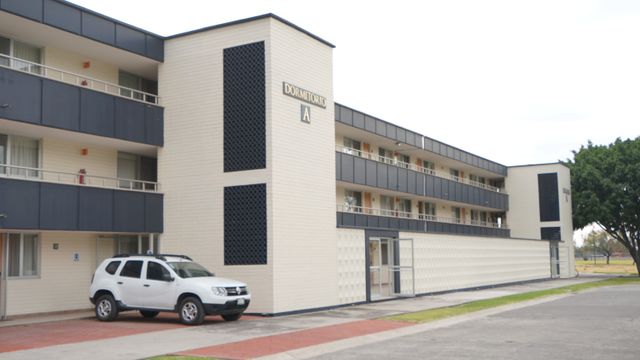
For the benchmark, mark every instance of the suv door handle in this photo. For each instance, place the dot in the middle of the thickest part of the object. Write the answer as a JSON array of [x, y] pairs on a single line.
[[119, 282], [146, 285]]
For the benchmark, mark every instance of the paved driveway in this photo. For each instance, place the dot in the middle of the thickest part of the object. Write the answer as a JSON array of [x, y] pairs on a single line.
[[598, 324]]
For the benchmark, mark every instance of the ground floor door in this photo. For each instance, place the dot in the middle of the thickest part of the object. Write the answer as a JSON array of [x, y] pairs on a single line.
[[391, 268], [554, 252]]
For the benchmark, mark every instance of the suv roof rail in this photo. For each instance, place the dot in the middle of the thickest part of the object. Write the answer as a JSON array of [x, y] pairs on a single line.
[[157, 256]]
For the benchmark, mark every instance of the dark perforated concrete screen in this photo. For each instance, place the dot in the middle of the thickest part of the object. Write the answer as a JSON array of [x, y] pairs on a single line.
[[548, 197], [244, 108], [550, 233], [245, 225]]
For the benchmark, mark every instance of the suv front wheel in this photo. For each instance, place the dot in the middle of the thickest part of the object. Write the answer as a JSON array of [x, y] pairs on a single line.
[[106, 308], [191, 311]]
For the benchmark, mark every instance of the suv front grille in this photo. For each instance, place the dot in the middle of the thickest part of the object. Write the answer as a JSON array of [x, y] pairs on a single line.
[[233, 291]]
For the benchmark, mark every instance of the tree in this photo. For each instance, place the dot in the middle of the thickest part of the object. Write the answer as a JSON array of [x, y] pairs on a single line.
[[600, 241], [605, 181]]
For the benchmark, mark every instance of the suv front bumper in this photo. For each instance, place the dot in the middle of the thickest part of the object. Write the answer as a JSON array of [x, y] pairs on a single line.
[[230, 307]]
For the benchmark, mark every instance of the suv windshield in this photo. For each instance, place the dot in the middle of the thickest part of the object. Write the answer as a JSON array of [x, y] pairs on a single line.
[[186, 269]]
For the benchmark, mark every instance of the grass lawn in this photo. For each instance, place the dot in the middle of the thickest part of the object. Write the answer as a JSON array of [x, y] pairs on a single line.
[[441, 313], [616, 266]]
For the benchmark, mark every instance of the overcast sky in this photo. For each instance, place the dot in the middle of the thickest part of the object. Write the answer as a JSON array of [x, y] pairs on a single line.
[[518, 82]]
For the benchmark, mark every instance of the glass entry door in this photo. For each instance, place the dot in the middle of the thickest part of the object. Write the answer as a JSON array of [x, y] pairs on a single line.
[[391, 268]]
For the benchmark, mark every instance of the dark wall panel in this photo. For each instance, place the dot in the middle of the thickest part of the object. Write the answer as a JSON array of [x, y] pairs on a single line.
[[383, 176], [359, 171], [550, 233], [27, 8], [95, 208], [420, 184], [128, 211], [338, 166], [154, 125], [58, 207], [245, 225], [347, 168], [244, 107], [19, 201], [548, 197], [60, 105], [358, 120], [130, 39], [22, 94], [98, 28], [392, 177], [372, 173], [155, 48], [62, 16], [402, 180], [97, 113], [153, 213], [129, 120]]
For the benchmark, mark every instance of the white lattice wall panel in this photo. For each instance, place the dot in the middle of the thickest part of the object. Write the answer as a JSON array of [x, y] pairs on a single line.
[[447, 262], [351, 266]]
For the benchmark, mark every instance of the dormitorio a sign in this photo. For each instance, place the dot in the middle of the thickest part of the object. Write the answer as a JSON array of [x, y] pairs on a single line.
[[304, 95]]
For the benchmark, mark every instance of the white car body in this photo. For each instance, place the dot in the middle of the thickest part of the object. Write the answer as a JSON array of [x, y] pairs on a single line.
[[163, 282]]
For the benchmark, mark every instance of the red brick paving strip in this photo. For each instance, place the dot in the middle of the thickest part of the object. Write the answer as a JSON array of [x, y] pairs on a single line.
[[24, 337], [274, 344]]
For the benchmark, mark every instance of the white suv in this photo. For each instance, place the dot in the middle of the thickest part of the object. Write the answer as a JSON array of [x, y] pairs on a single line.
[[154, 283]]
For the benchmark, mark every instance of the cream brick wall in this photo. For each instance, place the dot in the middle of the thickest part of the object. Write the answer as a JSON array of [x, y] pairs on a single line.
[[72, 62], [65, 156], [302, 174], [351, 266], [190, 165], [524, 209], [447, 262], [63, 283]]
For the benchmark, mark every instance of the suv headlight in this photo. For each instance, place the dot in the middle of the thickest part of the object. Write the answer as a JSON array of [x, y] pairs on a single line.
[[219, 291]]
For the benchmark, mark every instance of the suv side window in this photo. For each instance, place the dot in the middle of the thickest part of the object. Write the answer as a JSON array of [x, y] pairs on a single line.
[[112, 267], [132, 268], [156, 271]]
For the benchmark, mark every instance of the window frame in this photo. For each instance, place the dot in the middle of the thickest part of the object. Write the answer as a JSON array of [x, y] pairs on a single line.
[[125, 266], [21, 256], [5, 168]]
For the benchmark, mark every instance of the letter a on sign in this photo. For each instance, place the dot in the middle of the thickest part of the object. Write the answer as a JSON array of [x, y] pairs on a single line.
[[305, 114]]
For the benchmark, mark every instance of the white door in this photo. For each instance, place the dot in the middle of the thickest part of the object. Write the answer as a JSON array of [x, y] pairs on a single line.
[[130, 283], [159, 290]]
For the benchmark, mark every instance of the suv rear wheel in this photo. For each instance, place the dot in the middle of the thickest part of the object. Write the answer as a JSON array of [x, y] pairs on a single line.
[[191, 311], [106, 308]]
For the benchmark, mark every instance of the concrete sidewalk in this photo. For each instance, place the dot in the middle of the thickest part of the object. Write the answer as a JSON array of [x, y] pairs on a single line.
[[263, 336]]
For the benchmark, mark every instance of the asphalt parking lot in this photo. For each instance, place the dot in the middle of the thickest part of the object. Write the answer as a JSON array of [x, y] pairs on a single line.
[[599, 324]]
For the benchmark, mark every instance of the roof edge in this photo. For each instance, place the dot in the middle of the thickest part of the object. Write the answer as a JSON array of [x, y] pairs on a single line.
[[254, 18], [540, 164]]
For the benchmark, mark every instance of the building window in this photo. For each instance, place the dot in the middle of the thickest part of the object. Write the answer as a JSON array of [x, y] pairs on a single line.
[[478, 217], [386, 205], [404, 160], [456, 214], [137, 172], [353, 201], [26, 57], [404, 208], [477, 179], [139, 83], [428, 167], [134, 244], [454, 174], [351, 146], [427, 210], [19, 156], [23, 255], [385, 156]]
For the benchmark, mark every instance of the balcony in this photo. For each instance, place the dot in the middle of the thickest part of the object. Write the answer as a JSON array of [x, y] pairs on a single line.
[[404, 165], [39, 94], [388, 174], [369, 218], [39, 199]]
